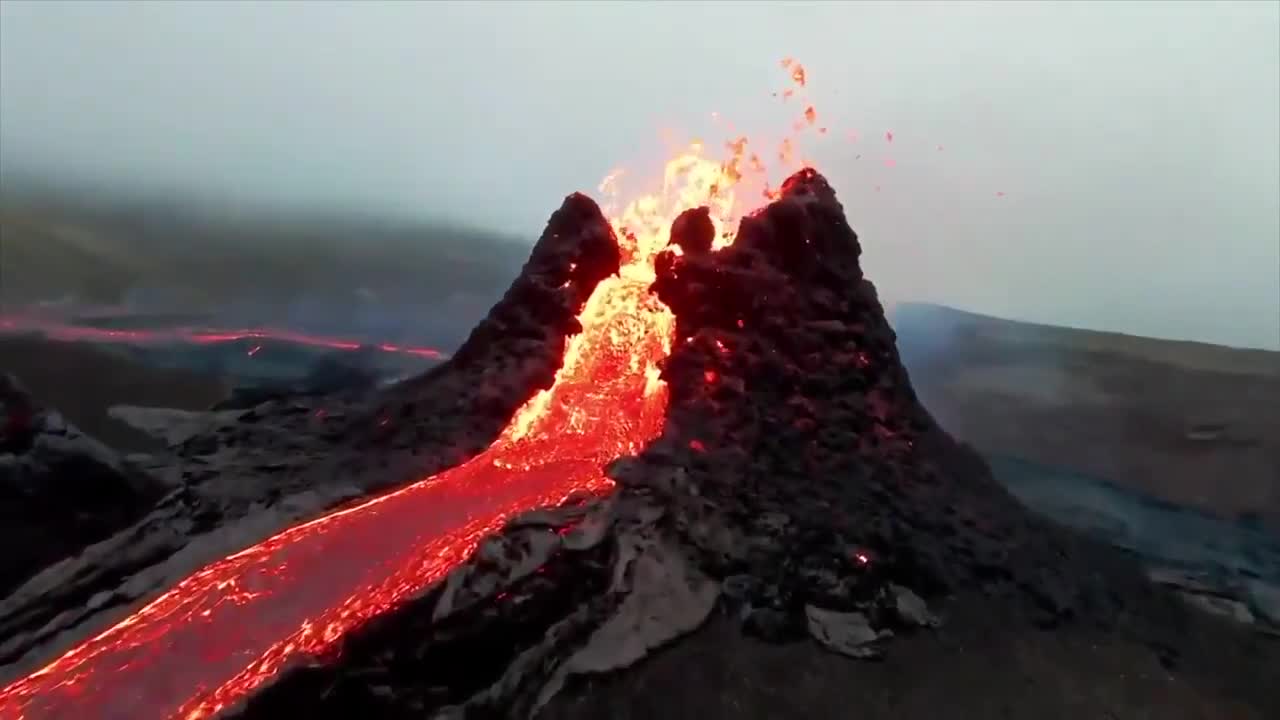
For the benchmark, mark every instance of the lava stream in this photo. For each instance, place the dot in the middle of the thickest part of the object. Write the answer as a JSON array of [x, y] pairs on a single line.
[[233, 625], [194, 336]]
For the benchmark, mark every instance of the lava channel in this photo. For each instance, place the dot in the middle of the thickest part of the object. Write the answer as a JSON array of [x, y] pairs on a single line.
[[217, 635], [194, 336]]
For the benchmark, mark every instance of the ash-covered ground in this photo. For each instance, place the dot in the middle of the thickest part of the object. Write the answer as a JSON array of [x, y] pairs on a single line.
[[801, 515]]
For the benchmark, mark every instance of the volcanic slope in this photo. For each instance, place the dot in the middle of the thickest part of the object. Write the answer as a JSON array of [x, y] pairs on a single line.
[[798, 492], [249, 474]]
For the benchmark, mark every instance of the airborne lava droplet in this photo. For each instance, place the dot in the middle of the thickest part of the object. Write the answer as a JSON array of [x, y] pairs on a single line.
[[888, 136], [797, 71]]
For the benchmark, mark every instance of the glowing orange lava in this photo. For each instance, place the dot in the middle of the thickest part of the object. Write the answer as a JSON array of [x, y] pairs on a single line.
[[68, 332], [233, 625]]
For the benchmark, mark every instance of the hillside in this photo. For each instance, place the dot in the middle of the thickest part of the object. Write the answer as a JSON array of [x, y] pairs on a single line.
[[107, 250], [1188, 423]]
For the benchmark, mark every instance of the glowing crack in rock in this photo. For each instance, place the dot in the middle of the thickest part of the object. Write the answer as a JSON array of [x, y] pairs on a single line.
[[222, 632]]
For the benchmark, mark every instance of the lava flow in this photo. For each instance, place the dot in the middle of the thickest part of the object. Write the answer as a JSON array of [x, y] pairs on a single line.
[[233, 625], [194, 336]]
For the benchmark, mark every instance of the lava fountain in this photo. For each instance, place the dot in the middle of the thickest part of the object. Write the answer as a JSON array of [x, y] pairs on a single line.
[[236, 623]]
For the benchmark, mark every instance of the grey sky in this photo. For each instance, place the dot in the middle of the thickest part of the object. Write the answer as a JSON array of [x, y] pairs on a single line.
[[1138, 144]]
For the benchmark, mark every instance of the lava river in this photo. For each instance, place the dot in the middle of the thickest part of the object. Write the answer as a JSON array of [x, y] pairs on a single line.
[[64, 331], [233, 625]]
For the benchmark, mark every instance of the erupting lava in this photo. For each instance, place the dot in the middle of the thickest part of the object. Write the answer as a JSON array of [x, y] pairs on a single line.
[[64, 331], [233, 625]]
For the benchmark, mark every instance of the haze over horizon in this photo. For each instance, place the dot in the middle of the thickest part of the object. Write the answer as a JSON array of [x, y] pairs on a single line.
[[1137, 145]]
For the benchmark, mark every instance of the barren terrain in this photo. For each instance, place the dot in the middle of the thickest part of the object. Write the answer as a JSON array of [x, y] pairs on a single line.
[[1189, 423]]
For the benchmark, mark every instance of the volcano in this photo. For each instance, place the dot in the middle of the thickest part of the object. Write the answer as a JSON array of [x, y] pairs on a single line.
[[666, 423]]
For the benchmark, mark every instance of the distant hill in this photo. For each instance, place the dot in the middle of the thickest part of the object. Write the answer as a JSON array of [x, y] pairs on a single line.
[[1190, 423], [324, 272], [335, 274], [98, 250]]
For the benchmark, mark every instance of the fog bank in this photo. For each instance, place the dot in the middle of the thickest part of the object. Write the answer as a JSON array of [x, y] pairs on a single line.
[[1110, 165]]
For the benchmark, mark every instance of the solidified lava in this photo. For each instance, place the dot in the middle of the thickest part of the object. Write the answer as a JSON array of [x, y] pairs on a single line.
[[787, 376], [415, 429], [795, 466], [744, 397], [235, 624], [60, 490], [792, 462], [693, 232]]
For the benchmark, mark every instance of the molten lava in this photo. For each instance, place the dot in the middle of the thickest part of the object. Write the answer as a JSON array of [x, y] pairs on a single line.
[[236, 623], [68, 332], [233, 625]]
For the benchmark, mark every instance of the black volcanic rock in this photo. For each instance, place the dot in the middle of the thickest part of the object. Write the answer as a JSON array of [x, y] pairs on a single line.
[[788, 397], [693, 231], [60, 490], [799, 486], [517, 349], [576, 251], [293, 457]]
